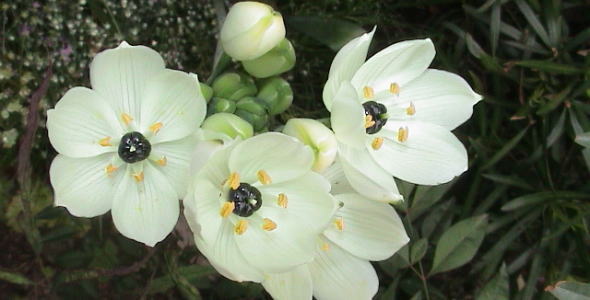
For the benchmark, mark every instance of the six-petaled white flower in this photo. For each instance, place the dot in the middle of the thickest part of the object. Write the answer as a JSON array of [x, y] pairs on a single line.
[[392, 116], [256, 207], [125, 145]]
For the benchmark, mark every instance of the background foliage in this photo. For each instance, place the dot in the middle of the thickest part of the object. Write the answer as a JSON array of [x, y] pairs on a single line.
[[515, 223]]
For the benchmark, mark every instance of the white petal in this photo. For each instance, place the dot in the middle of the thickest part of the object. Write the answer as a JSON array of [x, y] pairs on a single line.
[[145, 211], [121, 74], [439, 97], [82, 185], [292, 285], [335, 174], [347, 61], [431, 154], [281, 156], [348, 117], [372, 230], [399, 63], [174, 99], [173, 160], [204, 203], [225, 256], [317, 136], [80, 120], [203, 150], [366, 176], [338, 275], [278, 250], [215, 168], [310, 205]]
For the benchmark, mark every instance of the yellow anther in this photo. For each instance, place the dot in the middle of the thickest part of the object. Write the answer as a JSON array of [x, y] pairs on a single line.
[[105, 142], [394, 88], [233, 181], [241, 227], [339, 222], [411, 110], [377, 142], [283, 201], [325, 246], [227, 208], [402, 134], [110, 169], [263, 177], [369, 121], [368, 92], [126, 118], [268, 224], [138, 177], [156, 127], [162, 161]]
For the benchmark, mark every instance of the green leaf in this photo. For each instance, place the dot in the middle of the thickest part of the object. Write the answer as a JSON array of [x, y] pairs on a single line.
[[542, 197], [570, 290], [509, 180], [333, 33], [14, 278], [534, 21], [583, 139], [504, 150], [497, 288], [458, 244], [547, 66], [495, 20], [418, 250], [190, 273]]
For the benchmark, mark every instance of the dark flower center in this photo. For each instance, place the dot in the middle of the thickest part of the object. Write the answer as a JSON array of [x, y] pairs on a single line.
[[378, 113], [246, 198], [134, 147]]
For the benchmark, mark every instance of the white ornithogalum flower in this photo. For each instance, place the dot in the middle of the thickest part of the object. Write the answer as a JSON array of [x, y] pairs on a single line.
[[392, 116], [362, 230], [250, 30], [317, 136], [125, 145], [256, 207]]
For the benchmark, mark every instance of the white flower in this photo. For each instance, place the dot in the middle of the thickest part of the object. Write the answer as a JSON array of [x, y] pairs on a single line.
[[392, 116], [125, 145], [257, 207], [250, 30], [317, 136], [362, 230]]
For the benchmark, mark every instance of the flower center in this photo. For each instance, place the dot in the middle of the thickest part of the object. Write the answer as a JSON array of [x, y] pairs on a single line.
[[377, 113], [246, 198], [134, 147]]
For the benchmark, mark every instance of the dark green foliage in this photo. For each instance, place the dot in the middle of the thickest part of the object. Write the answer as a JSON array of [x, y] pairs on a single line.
[[527, 189]]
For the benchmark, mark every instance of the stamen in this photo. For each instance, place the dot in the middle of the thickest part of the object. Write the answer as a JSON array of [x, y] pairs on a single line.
[[394, 88], [411, 110], [369, 121], [268, 224], [227, 208], [263, 177], [105, 142], [339, 222], [241, 227], [402, 134], [283, 200], [325, 246], [156, 127], [126, 118], [233, 181], [138, 177], [368, 92], [110, 169], [377, 142], [162, 161]]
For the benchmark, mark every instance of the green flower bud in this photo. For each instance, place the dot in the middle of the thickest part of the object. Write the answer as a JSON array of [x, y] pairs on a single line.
[[206, 91], [252, 105], [277, 94], [276, 61], [228, 124], [259, 122], [250, 30], [234, 86], [219, 105]]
